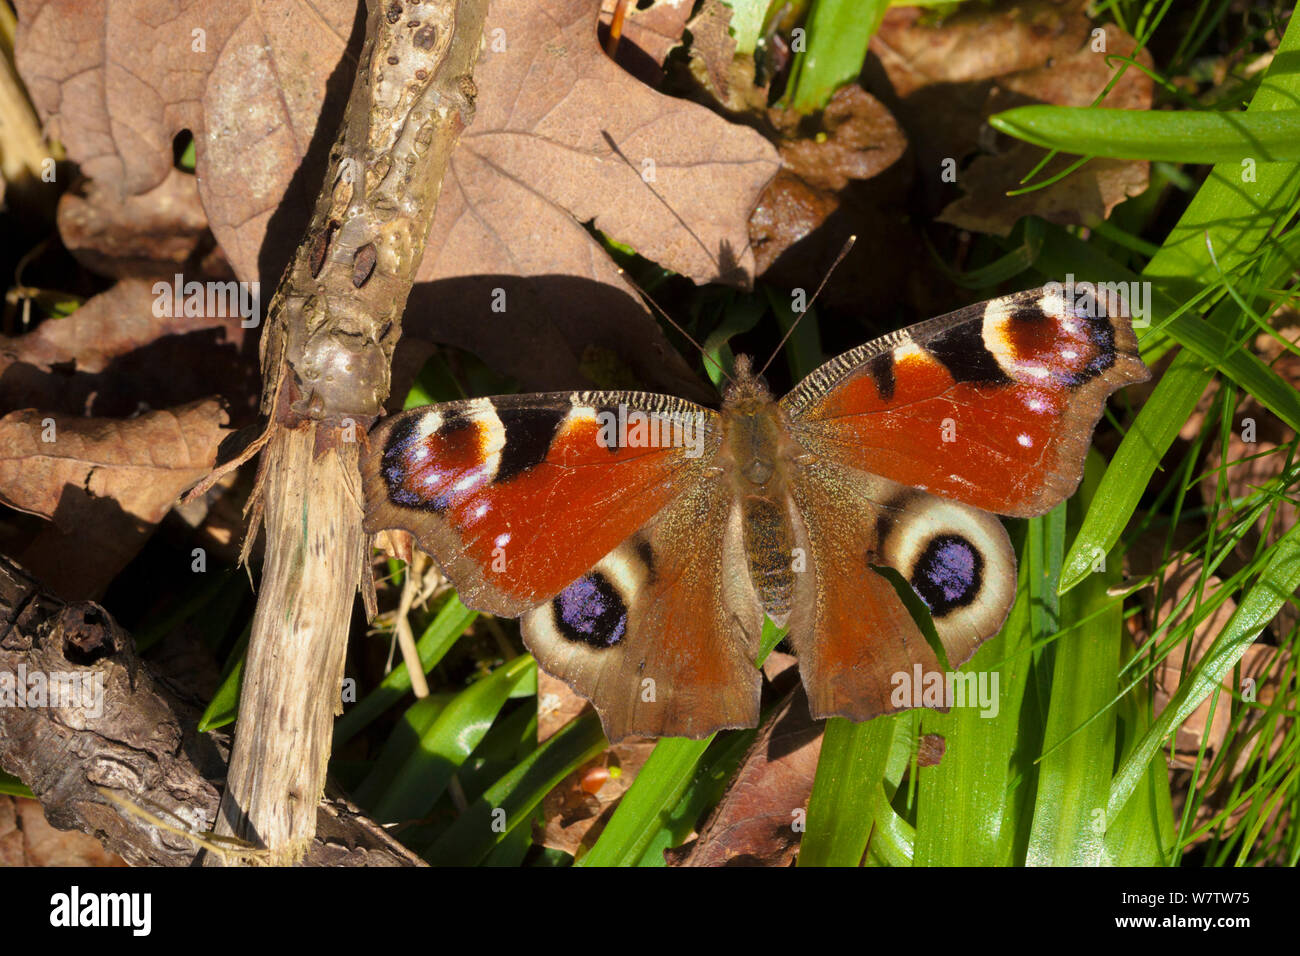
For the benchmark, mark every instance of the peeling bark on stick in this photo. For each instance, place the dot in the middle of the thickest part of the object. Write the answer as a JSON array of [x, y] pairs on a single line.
[[326, 355]]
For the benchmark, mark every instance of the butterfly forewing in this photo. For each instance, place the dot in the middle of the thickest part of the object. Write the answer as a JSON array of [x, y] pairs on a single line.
[[992, 405], [517, 497]]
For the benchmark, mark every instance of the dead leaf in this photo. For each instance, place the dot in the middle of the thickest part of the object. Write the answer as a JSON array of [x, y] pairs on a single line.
[[754, 824], [155, 233], [1088, 195], [716, 64], [117, 81], [858, 139], [104, 483], [117, 353], [1085, 196], [974, 43], [27, 839]]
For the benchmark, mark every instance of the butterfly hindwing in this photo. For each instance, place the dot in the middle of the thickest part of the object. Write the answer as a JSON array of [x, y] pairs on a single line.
[[993, 405], [517, 497], [661, 634], [856, 640]]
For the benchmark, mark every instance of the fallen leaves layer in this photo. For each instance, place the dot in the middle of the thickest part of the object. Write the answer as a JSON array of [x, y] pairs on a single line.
[[563, 138], [103, 483]]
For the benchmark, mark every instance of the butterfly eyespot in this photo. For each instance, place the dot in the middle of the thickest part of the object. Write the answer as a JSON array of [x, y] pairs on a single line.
[[948, 574], [591, 611]]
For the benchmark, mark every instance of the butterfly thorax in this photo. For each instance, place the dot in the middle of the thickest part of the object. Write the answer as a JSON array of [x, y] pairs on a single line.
[[758, 454]]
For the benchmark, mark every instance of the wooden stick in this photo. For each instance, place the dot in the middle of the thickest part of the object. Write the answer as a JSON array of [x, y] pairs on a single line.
[[326, 355]]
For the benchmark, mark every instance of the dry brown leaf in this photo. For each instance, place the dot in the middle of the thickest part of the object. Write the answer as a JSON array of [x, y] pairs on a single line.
[[1073, 78], [713, 56], [104, 483], [27, 839], [118, 80], [974, 43], [859, 139], [116, 354], [155, 233], [755, 823]]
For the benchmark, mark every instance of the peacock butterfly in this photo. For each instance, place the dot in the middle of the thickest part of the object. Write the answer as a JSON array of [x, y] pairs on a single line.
[[642, 537]]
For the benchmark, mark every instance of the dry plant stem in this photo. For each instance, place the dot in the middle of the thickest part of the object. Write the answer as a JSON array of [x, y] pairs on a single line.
[[405, 636], [326, 354]]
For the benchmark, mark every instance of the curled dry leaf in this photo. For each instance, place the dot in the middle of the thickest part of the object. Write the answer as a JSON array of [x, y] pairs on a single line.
[[974, 43], [755, 822], [104, 483], [855, 139], [117, 81]]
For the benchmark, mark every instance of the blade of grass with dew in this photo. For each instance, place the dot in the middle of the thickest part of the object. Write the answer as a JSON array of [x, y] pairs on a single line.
[[438, 753], [1276, 584], [849, 774], [511, 800], [1079, 739], [1180, 137], [647, 806], [968, 804], [838, 33], [443, 631]]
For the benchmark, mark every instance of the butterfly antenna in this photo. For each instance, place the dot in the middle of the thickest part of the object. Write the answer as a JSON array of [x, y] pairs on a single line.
[[798, 318], [674, 323]]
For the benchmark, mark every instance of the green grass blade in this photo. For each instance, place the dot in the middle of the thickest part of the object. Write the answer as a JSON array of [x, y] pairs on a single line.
[[1143, 834], [849, 774], [645, 807], [510, 801], [838, 33], [443, 631], [648, 806], [439, 752], [1079, 739], [1133, 464], [12, 786], [1238, 214], [967, 806], [1176, 137], [1277, 584]]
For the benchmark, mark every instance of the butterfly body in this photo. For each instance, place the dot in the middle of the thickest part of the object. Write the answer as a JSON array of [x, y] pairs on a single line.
[[642, 538]]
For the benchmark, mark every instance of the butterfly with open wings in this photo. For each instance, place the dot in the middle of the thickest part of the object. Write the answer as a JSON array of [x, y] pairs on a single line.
[[642, 538]]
